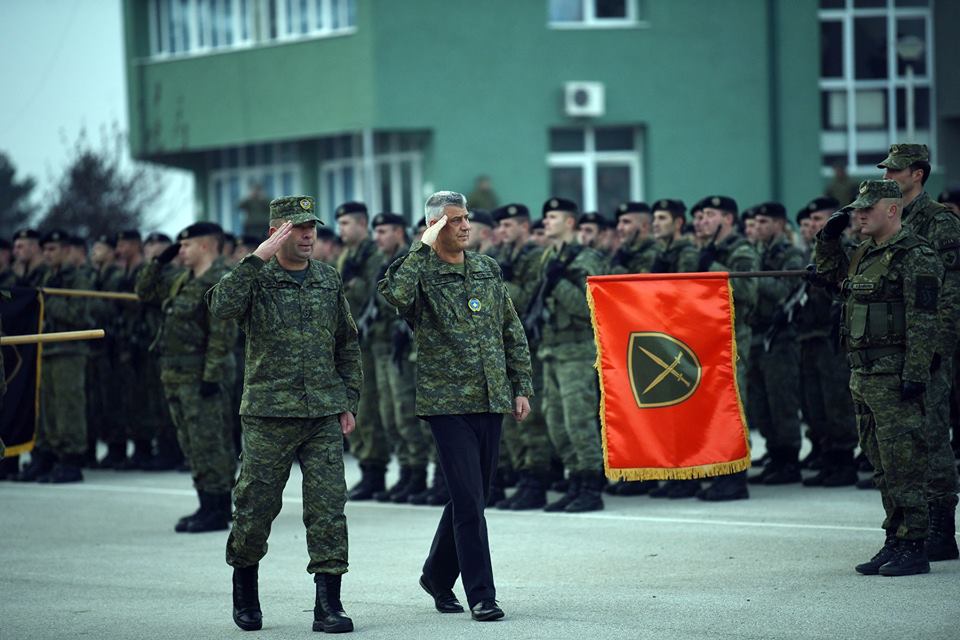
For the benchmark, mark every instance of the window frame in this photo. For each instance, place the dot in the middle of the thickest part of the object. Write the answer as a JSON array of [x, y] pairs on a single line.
[[636, 9], [284, 160], [590, 159]]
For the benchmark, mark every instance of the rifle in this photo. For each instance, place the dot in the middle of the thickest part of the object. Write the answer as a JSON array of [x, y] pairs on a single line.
[[537, 312], [793, 302]]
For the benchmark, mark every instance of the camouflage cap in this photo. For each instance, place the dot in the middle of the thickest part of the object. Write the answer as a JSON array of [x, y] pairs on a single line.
[[902, 156], [873, 190], [294, 209]]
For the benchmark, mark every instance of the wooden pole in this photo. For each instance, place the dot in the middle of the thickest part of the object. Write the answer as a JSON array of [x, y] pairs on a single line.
[[87, 293], [799, 273], [60, 336]]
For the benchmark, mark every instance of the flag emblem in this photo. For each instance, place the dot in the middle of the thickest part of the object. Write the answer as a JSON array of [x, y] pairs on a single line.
[[663, 370]]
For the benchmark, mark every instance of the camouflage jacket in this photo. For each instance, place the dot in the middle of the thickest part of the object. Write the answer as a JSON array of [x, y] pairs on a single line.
[[385, 318], [941, 228], [567, 332], [526, 263], [637, 258], [302, 357], [104, 312], [735, 253], [780, 255], [192, 344], [63, 313], [358, 269], [680, 256], [891, 302], [472, 354], [137, 323]]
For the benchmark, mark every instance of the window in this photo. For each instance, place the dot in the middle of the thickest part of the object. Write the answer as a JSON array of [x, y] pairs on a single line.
[[595, 13], [876, 80], [596, 167], [234, 171], [396, 171], [194, 27]]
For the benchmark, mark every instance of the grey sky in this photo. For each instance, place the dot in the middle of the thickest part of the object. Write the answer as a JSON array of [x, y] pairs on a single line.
[[61, 69]]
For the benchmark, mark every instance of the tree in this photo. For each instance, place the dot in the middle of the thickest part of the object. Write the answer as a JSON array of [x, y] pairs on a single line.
[[15, 210], [100, 191]]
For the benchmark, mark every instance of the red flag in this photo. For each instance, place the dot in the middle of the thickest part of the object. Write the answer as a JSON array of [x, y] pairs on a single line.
[[666, 352]]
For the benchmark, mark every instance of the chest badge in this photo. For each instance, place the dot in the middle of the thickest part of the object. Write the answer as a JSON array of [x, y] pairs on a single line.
[[474, 304]]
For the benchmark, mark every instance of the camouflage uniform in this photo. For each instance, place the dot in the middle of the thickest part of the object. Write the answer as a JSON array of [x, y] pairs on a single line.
[[302, 371], [637, 258], [680, 256], [103, 417]]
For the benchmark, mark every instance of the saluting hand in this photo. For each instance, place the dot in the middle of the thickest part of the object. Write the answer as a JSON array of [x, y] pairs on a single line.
[[430, 235], [521, 408], [269, 247]]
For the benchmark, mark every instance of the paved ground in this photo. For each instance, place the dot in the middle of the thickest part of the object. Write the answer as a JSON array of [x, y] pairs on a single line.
[[100, 560]]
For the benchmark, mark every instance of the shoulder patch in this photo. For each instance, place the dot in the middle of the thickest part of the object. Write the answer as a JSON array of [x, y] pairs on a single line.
[[928, 292]]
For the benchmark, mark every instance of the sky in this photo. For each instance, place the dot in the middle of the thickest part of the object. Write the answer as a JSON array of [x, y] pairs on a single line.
[[62, 70]]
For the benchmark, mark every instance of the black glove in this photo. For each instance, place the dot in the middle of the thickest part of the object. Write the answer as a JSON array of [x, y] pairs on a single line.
[[815, 278], [507, 270], [836, 225], [660, 265], [168, 254], [554, 272], [708, 255], [401, 344], [209, 389], [910, 390]]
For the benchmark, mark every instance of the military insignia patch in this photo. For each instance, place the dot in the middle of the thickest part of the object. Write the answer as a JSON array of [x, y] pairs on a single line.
[[305, 204], [512, 210], [663, 370], [928, 290], [715, 201], [554, 204], [474, 304]]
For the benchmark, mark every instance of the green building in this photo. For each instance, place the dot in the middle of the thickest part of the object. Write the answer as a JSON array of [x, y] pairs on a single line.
[[597, 100]]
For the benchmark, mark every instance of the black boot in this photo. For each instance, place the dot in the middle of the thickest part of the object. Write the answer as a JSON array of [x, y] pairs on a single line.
[[886, 553], [844, 473], [142, 455], [636, 487], [504, 505], [867, 483], [573, 490], [116, 455], [41, 463], [9, 468], [786, 467], [533, 496], [386, 495], [910, 560], [498, 490], [246, 600], [814, 459], [942, 537], [370, 483], [182, 523], [683, 489], [67, 470], [169, 456], [328, 614], [438, 486], [216, 517], [416, 483], [590, 497], [439, 494], [663, 490], [730, 487]]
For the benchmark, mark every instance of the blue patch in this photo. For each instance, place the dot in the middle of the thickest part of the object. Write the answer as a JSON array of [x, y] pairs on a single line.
[[474, 304]]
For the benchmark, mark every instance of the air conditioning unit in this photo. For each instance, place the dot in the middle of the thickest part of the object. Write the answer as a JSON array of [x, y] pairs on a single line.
[[584, 99]]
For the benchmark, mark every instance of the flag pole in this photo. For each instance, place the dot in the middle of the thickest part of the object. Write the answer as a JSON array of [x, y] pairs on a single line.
[[86, 293], [797, 273], [60, 336]]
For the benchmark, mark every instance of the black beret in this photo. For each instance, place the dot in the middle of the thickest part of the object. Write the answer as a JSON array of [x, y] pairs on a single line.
[[248, 240], [5, 244], [537, 224], [632, 207], [771, 210], [351, 207], [560, 204], [512, 210], [323, 233], [26, 233], [593, 218], [389, 218], [749, 213], [129, 234], [950, 195], [675, 207], [823, 203], [803, 214], [106, 239], [199, 230], [77, 241], [724, 203], [481, 216], [157, 236], [229, 237], [55, 235]]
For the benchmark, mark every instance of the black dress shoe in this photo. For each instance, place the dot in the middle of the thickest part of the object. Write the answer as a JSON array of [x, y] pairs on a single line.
[[486, 611], [443, 599]]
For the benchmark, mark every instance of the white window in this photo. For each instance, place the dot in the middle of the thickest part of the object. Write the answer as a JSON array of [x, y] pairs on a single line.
[[597, 167], [595, 13], [190, 27], [876, 80], [290, 19], [234, 172]]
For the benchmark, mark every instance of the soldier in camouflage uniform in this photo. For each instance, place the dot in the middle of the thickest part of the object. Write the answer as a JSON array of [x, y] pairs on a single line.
[[63, 432], [570, 391], [638, 248], [529, 445], [196, 354], [461, 313], [892, 328], [359, 265], [824, 373], [909, 166], [773, 379], [593, 231], [28, 264], [301, 388], [726, 250]]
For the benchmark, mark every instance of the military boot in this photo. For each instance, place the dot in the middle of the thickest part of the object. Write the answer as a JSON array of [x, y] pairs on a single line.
[[246, 600], [636, 487], [41, 463], [886, 553], [683, 489], [532, 496], [663, 490], [814, 459], [590, 497], [9, 468], [142, 455], [116, 454], [416, 483], [67, 470], [844, 473], [371, 481], [181, 526], [573, 490], [785, 467], [216, 517], [730, 487], [328, 614], [867, 483], [438, 486], [910, 559], [504, 504], [439, 495], [386, 495], [498, 486], [942, 537]]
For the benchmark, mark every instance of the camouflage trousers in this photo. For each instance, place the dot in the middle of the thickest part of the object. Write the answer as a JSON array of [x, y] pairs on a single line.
[[270, 446], [892, 436], [527, 445], [396, 390], [102, 414], [204, 434], [826, 403], [63, 405], [368, 442], [571, 406], [942, 474], [773, 392]]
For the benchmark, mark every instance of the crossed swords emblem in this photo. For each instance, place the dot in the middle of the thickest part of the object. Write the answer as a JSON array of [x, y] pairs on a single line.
[[668, 370]]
